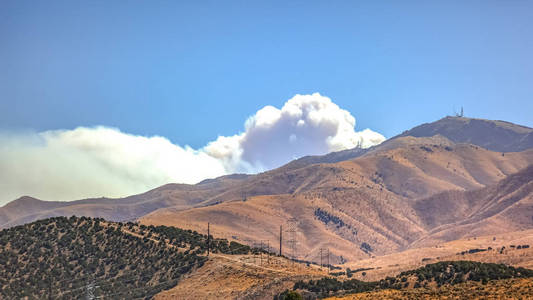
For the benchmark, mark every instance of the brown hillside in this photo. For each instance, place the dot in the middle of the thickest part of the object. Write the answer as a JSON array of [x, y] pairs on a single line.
[[506, 206], [373, 196], [395, 263]]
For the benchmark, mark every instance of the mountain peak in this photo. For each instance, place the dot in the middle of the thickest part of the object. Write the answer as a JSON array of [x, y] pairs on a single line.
[[493, 135], [23, 201]]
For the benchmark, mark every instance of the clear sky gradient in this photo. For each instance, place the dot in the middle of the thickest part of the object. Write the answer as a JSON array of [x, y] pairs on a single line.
[[193, 70]]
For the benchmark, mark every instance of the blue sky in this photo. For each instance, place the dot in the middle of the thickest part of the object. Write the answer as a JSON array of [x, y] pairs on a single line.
[[193, 70], [85, 86]]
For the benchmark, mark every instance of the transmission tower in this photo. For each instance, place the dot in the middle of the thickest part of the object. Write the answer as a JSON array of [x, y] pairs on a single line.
[[324, 257], [264, 246], [292, 226], [252, 255], [255, 246]]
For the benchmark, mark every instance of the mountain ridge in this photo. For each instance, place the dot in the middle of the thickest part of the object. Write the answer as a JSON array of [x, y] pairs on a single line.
[[368, 192]]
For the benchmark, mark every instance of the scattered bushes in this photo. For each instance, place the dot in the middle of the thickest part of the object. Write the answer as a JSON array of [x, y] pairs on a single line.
[[326, 218], [426, 148], [350, 272], [366, 247], [289, 295], [66, 255], [447, 272]]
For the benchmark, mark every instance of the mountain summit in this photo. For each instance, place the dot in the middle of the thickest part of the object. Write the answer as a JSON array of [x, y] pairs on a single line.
[[499, 136]]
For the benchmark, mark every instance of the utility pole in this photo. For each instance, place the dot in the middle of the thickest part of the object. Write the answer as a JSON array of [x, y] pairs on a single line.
[[280, 238], [268, 250], [261, 253], [328, 262], [321, 249], [208, 239]]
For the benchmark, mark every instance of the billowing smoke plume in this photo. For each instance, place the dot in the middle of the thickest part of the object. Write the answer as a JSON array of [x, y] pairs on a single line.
[[94, 162], [305, 125], [102, 161]]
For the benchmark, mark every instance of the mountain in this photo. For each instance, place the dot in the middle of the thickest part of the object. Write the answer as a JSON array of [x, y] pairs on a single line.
[[239, 186], [499, 136], [27, 209], [357, 208], [358, 202]]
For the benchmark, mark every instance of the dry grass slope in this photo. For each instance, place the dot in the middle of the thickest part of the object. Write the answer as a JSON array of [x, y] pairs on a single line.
[[241, 277]]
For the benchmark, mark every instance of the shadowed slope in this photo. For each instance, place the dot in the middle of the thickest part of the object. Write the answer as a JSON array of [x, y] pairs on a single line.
[[505, 206]]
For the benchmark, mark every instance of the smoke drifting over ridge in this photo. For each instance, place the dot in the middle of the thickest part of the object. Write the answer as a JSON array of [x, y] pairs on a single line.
[[305, 125], [103, 161]]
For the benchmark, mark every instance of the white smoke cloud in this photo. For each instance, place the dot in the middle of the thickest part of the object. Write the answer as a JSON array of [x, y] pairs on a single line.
[[305, 125], [102, 161], [94, 162]]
